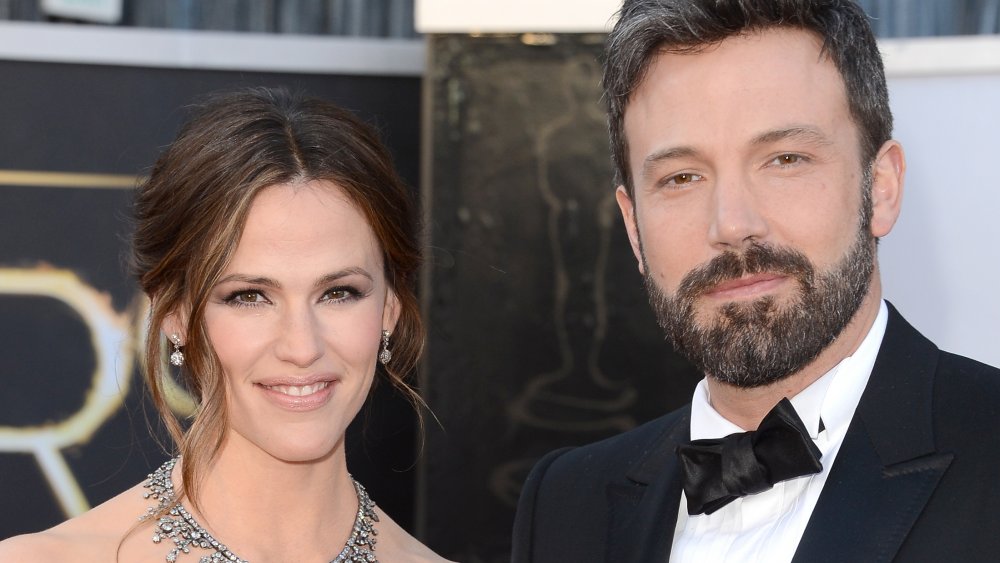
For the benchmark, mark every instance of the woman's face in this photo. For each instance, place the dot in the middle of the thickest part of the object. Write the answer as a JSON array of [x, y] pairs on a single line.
[[296, 321]]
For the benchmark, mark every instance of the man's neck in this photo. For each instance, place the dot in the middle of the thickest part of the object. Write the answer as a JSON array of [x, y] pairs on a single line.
[[746, 407]]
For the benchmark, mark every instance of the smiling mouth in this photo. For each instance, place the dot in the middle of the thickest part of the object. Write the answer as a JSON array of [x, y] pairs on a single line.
[[298, 390]]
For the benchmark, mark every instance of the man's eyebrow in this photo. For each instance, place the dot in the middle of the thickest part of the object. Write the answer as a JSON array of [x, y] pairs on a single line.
[[802, 133], [665, 154]]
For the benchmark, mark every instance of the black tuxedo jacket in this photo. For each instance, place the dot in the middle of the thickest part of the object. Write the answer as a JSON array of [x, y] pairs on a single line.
[[917, 477]]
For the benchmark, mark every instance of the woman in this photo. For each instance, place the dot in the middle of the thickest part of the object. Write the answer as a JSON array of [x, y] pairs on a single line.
[[278, 248]]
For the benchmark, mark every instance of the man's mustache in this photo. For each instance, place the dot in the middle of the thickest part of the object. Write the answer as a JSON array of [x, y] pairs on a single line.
[[758, 258]]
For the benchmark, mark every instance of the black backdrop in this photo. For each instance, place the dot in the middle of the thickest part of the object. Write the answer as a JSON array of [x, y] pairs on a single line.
[[86, 119]]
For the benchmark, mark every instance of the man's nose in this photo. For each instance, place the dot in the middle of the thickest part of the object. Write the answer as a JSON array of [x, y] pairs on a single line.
[[735, 215]]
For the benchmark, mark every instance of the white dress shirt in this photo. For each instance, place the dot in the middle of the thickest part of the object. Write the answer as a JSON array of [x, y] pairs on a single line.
[[767, 526]]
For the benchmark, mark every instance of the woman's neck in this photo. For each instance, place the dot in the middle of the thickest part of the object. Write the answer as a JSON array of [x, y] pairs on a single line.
[[267, 509]]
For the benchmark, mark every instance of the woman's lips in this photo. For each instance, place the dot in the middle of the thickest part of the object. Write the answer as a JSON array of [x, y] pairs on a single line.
[[298, 390], [308, 394], [746, 287]]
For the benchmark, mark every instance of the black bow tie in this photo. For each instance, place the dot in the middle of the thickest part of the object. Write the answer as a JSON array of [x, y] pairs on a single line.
[[717, 472]]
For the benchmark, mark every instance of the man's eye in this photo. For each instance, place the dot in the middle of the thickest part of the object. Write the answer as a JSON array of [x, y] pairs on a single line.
[[788, 159], [685, 178]]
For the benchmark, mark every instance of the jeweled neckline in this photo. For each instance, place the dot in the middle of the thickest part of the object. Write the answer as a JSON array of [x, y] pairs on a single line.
[[176, 524]]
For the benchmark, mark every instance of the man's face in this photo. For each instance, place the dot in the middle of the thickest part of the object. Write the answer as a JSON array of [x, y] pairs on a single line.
[[750, 214]]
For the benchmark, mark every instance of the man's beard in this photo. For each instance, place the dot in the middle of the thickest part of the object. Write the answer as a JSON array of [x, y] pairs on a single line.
[[758, 342]]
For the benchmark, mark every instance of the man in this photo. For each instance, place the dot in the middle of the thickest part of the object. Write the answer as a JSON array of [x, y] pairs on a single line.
[[756, 171]]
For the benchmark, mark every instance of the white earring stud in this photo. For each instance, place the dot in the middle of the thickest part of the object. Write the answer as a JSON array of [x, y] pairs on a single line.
[[176, 357]]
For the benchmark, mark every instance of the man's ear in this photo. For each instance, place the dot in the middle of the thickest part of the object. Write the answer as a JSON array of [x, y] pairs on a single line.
[[627, 207], [888, 173]]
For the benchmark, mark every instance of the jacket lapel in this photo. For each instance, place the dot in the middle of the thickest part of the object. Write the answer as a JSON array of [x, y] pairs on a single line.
[[642, 509], [887, 467]]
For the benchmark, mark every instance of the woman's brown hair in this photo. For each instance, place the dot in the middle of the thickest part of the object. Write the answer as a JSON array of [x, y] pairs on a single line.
[[190, 214]]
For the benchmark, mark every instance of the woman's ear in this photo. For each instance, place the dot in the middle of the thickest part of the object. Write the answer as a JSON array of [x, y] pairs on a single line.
[[175, 323], [390, 314]]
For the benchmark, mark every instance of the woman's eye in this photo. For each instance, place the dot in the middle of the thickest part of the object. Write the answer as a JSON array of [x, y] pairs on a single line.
[[684, 178], [339, 294], [246, 297]]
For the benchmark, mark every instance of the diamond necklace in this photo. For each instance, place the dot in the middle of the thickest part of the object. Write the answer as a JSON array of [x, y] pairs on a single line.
[[180, 527]]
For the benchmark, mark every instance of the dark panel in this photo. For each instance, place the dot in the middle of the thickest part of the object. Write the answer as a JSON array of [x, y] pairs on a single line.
[[49, 336], [540, 333], [91, 118]]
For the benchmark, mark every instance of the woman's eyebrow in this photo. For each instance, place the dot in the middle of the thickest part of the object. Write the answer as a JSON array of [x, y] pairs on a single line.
[[252, 280], [335, 276], [275, 284]]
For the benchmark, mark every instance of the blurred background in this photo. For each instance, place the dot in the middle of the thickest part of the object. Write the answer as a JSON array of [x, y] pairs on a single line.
[[539, 331]]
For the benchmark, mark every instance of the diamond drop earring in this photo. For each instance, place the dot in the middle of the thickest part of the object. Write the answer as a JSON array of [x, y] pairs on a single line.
[[176, 357], [385, 354]]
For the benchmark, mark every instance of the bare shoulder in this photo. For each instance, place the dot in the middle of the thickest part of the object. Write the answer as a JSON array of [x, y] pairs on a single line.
[[98, 535], [32, 548], [396, 544], [61, 543]]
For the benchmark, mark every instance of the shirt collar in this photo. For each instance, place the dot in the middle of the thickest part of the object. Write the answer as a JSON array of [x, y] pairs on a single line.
[[832, 398]]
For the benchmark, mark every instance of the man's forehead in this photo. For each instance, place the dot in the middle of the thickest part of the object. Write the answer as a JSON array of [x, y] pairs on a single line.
[[770, 64], [737, 94], [796, 39]]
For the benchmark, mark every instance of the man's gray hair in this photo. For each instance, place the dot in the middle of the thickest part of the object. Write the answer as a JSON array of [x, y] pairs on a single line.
[[646, 28]]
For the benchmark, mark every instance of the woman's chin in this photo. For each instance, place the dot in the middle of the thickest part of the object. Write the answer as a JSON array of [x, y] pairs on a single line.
[[298, 444], [305, 454], [302, 452]]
